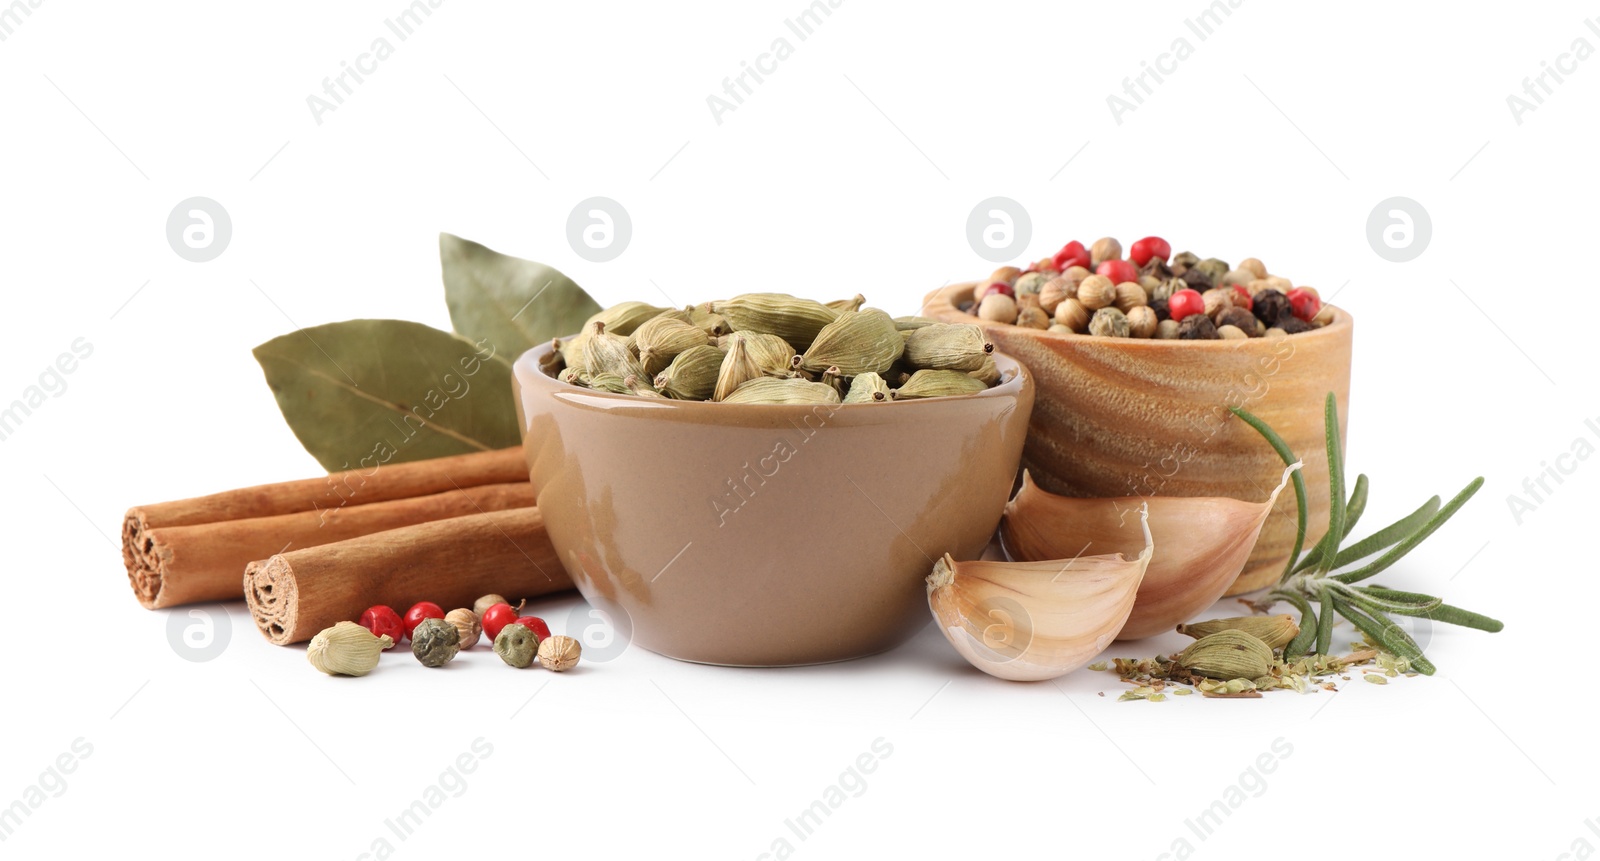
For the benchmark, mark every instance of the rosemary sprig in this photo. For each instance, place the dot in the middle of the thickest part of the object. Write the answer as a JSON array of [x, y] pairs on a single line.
[[1318, 588]]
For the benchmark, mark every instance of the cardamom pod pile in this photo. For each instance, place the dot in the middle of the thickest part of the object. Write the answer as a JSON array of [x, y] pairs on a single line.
[[773, 348], [1096, 291]]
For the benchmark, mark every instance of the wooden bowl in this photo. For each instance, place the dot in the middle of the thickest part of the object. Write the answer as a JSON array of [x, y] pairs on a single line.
[[1135, 417]]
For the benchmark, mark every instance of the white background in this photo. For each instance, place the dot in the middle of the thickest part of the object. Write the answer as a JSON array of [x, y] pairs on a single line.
[[852, 168]]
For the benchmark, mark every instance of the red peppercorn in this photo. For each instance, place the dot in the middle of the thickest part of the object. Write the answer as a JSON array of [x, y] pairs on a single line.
[[1185, 302], [536, 625], [1148, 247], [1242, 298], [419, 611], [1118, 271], [382, 620], [1304, 305], [996, 287], [497, 617], [1072, 254]]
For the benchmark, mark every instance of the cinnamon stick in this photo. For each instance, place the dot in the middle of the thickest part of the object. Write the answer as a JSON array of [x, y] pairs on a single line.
[[450, 562], [194, 549]]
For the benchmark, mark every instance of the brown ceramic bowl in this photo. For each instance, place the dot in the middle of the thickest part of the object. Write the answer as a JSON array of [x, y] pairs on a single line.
[[767, 535], [1135, 417]]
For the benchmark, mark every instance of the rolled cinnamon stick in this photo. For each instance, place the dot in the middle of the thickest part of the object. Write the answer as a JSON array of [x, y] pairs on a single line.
[[194, 549], [450, 562], [186, 564]]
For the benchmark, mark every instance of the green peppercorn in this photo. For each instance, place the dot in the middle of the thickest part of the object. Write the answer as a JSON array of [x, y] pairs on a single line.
[[517, 645], [435, 642]]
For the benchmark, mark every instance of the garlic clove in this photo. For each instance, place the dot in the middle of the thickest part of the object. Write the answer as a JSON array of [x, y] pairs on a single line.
[[1029, 621], [1204, 541]]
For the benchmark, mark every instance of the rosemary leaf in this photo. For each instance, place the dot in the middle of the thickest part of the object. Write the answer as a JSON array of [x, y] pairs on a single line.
[[1308, 624], [1353, 510], [1373, 602], [1282, 448], [1325, 623], [1386, 537], [1336, 498], [1405, 546], [1385, 633]]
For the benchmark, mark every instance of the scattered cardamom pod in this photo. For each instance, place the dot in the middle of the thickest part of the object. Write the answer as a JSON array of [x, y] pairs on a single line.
[[435, 642], [660, 339], [868, 388], [1276, 631], [772, 390], [346, 649], [947, 346], [855, 343], [1227, 654], [938, 384], [692, 375], [793, 319]]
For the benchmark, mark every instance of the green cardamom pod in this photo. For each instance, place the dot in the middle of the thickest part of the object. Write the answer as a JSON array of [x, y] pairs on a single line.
[[346, 649], [795, 320], [714, 325], [834, 380], [574, 377], [947, 347], [625, 317], [856, 343], [605, 381], [640, 386], [868, 388], [1227, 654], [604, 352], [692, 375], [843, 305], [662, 338], [938, 384], [772, 354], [908, 324], [773, 390], [1276, 631], [738, 367], [988, 373]]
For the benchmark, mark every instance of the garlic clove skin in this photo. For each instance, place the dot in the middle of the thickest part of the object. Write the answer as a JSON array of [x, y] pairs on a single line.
[[1031, 621], [1205, 543]]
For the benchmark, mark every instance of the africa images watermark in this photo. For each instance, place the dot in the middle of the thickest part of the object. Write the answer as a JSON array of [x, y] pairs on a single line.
[[742, 489], [52, 383], [1537, 489], [51, 783], [1552, 74], [1251, 783], [451, 783], [751, 75], [851, 783], [1154, 73], [337, 88], [12, 16]]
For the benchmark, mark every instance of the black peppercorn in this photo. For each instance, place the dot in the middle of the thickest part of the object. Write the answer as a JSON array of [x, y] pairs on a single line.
[[1271, 305], [1160, 307], [1293, 325], [1237, 316], [1197, 280], [1197, 327], [1157, 267]]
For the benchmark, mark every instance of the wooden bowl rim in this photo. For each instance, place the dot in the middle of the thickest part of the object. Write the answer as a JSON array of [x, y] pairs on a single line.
[[944, 299]]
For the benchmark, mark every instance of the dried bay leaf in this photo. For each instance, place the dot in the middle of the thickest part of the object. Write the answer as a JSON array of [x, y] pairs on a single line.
[[507, 302], [362, 393]]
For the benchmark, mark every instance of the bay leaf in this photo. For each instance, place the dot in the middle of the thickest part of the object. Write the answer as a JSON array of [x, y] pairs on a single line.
[[362, 393], [515, 304]]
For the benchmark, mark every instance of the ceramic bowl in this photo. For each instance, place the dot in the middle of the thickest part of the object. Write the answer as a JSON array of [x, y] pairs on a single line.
[[1136, 417], [766, 535]]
